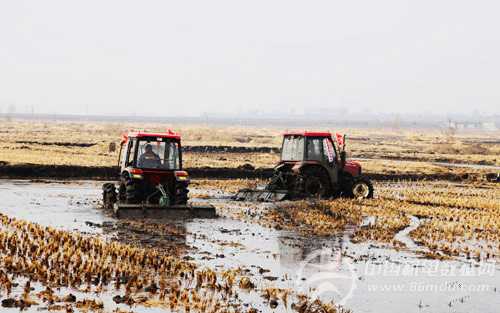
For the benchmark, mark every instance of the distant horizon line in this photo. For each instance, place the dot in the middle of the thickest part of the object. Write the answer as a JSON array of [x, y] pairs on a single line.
[[261, 116], [396, 121]]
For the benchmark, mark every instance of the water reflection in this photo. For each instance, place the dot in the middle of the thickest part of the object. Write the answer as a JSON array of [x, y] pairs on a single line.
[[294, 249]]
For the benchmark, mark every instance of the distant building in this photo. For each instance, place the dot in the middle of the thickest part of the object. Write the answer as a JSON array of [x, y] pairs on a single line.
[[489, 126], [472, 125]]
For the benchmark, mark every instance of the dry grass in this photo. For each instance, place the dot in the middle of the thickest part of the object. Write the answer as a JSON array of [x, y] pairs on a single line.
[[456, 220], [319, 218], [49, 261], [230, 186]]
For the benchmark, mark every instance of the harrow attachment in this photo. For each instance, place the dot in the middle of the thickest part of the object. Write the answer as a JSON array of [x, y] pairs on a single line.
[[159, 210], [261, 195]]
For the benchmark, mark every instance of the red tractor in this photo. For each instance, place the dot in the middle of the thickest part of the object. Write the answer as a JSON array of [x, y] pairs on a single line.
[[312, 165], [151, 177]]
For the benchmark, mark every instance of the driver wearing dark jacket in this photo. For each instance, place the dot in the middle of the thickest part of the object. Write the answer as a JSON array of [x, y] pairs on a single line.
[[149, 159]]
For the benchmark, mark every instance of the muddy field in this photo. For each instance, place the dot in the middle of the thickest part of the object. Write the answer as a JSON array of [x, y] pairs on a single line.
[[371, 256], [428, 242]]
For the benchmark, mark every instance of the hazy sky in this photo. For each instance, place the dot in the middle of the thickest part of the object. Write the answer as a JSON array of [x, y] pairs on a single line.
[[186, 57]]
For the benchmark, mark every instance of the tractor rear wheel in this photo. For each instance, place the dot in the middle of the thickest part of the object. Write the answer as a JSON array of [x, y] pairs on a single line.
[[362, 188], [132, 191], [122, 191], [181, 194], [316, 183], [109, 196]]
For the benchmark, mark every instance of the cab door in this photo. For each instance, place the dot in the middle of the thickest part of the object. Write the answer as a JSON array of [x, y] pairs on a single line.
[[322, 151], [123, 153], [127, 152], [330, 158]]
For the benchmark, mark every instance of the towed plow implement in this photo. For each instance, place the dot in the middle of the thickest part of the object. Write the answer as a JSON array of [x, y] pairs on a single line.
[[127, 210], [162, 208]]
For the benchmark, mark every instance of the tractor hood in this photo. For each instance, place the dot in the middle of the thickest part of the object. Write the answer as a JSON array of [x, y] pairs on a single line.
[[353, 168]]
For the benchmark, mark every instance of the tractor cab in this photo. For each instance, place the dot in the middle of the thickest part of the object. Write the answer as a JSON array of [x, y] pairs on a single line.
[[151, 168], [148, 151], [152, 183], [312, 164], [308, 146]]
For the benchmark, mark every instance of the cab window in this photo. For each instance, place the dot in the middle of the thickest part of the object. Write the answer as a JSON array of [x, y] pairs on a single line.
[[130, 152], [123, 154], [158, 153], [293, 148], [172, 156], [315, 149]]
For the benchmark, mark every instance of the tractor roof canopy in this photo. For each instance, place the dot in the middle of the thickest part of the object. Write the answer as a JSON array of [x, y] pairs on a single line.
[[308, 134], [140, 134]]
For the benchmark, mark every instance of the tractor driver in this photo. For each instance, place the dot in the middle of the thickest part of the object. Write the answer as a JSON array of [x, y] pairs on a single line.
[[149, 159]]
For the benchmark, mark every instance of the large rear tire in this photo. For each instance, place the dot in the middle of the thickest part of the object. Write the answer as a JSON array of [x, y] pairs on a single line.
[[122, 191], [109, 196], [361, 188], [316, 183], [132, 191], [181, 194]]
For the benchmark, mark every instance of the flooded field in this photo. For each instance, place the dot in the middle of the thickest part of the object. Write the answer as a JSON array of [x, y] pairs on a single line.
[[361, 277]]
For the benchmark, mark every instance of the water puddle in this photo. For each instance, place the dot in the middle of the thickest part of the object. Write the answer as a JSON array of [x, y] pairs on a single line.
[[404, 237]]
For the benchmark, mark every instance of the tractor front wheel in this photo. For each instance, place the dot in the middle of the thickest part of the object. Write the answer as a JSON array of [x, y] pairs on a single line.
[[362, 188]]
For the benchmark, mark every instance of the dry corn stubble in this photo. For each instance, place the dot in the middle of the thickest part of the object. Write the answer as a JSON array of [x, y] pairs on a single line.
[[35, 142], [456, 220], [145, 277]]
